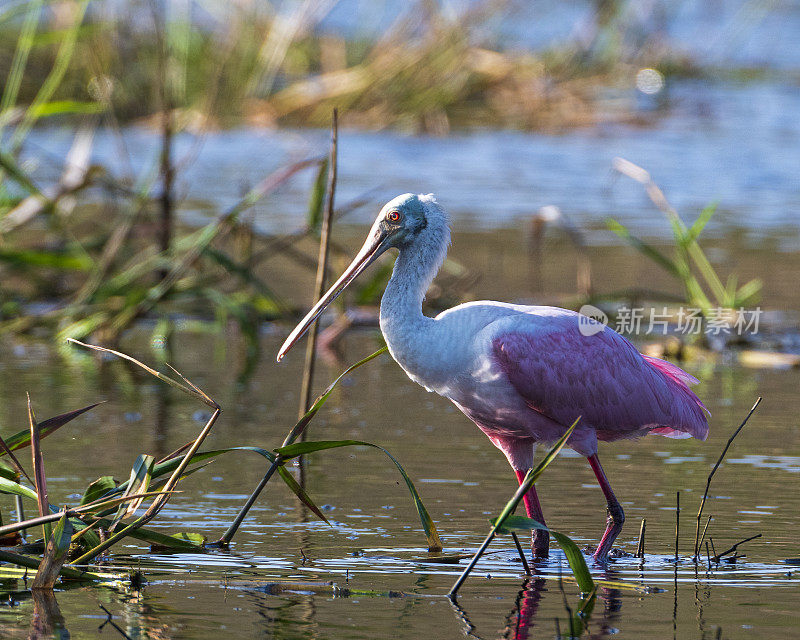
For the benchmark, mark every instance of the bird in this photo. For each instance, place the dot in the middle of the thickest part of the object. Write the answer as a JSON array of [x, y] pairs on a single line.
[[523, 374]]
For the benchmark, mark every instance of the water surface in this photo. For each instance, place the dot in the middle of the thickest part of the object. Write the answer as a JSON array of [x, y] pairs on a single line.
[[375, 551]]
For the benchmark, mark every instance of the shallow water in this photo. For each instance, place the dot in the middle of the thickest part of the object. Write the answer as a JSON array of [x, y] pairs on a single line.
[[374, 550], [736, 143]]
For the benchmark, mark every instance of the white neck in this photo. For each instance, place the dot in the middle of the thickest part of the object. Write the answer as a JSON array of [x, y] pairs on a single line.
[[410, 334]]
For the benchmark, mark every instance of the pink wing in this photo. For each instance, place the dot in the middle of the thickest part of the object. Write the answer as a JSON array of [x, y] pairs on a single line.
[[602, 378]]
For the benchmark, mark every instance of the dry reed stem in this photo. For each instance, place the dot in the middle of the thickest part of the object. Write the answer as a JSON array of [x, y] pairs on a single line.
[[714, 470]]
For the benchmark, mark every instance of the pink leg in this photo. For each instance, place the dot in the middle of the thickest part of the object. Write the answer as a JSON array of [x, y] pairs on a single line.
[[541, 539], [616, 517]]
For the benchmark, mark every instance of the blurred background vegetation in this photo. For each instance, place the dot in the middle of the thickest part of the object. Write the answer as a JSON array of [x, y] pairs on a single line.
[[112, 226], [163, 173]]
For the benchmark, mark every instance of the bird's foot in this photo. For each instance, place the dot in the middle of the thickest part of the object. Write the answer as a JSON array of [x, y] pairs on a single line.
[[539, 556], [611, 554], [540, 545]]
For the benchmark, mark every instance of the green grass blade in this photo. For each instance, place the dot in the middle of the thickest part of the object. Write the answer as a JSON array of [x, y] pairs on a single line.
[[183, 541], [301, 448], [139, 481], [10, 471], [97, 489], [65, 572], [748, 292], [13, 470], [303, 422], [31, 258], [170, 465], [702, 220], [20, 60], [511, 505], [68, 573], [46, 428], [180, 541], [9, 164], [14, 488], [573, 554], [54, 555], [730, 291], [246, 275], [56, 75], [288, 478], [645, 249], [66, 107], [533, 475], [506, 521], [707, 271], [580, 618]]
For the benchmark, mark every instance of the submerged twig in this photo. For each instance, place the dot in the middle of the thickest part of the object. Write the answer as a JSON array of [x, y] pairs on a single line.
[[719, 556], [109, 620], [714, 470], [705, 530], [521, 554]]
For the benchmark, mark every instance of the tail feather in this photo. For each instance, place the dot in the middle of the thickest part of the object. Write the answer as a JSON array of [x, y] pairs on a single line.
[[695, 413]]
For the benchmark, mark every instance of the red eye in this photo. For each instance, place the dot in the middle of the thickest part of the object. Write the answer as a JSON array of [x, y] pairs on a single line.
[[393, 216]]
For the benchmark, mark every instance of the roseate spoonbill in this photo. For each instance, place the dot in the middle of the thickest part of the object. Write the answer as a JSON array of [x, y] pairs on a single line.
[[522, 374]]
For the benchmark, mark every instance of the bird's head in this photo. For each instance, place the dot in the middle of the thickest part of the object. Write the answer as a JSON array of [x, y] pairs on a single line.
[[401, 222]]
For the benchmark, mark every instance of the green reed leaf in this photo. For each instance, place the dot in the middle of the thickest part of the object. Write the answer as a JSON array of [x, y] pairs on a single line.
[[301, 448]]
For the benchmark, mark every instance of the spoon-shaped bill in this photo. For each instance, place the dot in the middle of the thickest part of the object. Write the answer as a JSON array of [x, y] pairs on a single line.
[[372, 249]]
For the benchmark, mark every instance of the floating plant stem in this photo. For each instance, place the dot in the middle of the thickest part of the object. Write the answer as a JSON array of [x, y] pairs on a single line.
[[521, 553]]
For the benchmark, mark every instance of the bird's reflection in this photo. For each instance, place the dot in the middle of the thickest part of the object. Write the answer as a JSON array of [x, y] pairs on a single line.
[[583, 616], [523, 617], [612, 605]]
